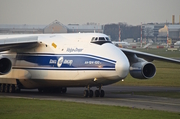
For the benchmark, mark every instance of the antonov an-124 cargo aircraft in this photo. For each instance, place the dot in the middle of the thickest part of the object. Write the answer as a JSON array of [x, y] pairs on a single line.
[[53, 62]]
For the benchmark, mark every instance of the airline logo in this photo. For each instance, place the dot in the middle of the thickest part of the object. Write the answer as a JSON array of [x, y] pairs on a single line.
[[69, 62], [60, 61]]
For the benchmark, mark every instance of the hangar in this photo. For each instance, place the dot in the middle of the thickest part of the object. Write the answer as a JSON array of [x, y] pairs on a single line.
[[172, 30], [54, 27]]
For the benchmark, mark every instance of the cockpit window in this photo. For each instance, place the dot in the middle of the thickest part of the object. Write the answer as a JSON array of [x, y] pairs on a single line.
[[100, 40], [108, 39], [93, 39]]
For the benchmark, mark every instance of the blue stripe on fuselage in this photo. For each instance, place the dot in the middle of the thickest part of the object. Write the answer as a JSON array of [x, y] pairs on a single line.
[[69, 69], [51, 54], [65, 62]]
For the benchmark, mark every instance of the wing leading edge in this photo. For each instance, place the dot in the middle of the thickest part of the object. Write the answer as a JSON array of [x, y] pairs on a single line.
[[17, 42], [147, 56]]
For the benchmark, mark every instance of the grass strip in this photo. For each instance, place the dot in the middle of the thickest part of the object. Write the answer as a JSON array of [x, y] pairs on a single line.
[[167, 74], [166, 77], [43, 109]]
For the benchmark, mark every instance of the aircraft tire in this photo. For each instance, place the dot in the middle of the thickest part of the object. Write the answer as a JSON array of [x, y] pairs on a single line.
[[7, 88], [40, 90], [2, 88], [18, 90], [12, 88], [64, 90], [102, 93], [85, 93], [97, 93], [59, 90], [90, 93]]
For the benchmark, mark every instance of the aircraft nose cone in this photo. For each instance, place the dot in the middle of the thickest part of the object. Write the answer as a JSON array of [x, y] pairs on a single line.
[[122, 66]]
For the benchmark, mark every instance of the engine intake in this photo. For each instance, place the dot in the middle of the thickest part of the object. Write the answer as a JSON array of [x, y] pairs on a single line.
[[142, 70], [5, 66]]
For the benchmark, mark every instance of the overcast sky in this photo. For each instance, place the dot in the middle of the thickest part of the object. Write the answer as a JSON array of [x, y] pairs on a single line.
[[132, 12]]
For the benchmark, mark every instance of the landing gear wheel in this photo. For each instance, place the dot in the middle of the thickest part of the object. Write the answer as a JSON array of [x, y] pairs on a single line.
[[59, 90], [90, 93], [102, 93], [18, 90], [85, 93], [12, 88], [97, 93], [40, 90], [64, 90], [2, 88], [7, 88]]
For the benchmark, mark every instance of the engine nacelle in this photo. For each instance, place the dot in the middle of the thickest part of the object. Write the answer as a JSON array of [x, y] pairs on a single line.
[[142, 70], [5, 66]]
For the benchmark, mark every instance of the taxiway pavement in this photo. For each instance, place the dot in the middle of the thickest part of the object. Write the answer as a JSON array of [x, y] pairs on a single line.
[[112, 97]]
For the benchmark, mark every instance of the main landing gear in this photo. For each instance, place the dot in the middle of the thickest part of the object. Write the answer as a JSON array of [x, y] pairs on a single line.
[[9, 88], [98, 93]]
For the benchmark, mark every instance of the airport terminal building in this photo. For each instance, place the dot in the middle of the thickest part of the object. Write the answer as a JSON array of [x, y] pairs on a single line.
[[54, 27]]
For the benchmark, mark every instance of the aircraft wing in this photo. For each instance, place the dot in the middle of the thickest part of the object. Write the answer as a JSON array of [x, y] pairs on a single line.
[[17, 42], [147, 56]]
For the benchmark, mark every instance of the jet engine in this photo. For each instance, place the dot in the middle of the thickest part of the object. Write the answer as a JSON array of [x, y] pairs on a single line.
[[142, 70], [5, 65]]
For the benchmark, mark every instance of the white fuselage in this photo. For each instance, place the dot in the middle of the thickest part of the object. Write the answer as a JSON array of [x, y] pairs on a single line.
[[67, 60]]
